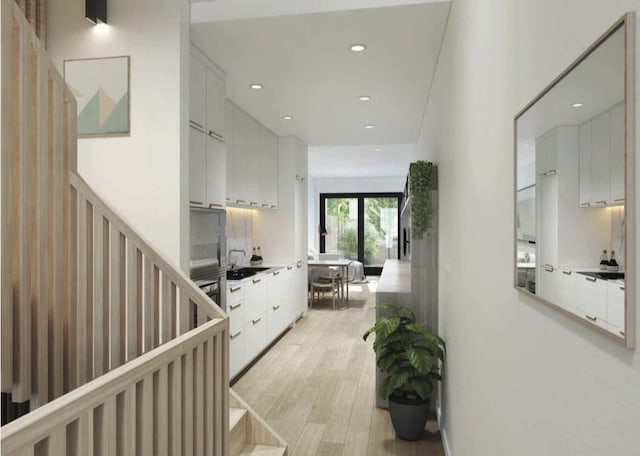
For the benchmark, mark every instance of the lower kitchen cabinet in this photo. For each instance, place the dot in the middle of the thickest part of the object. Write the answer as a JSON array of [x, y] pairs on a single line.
[[256, 336], [237, 356], [566, 295], [591, 294], [277, 320], [615, 308]]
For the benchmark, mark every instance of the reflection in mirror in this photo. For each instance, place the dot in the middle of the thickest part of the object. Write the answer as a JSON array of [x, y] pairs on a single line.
[[571, 180]]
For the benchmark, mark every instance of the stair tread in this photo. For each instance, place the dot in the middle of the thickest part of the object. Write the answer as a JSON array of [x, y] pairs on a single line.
[[235, 415], [262, 450]]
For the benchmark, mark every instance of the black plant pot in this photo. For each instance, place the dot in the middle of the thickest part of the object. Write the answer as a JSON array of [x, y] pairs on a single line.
[[408, 417]]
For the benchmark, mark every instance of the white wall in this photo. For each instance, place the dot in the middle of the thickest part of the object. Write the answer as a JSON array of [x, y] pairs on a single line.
[[344, 185], [144, 175], [521, 378]]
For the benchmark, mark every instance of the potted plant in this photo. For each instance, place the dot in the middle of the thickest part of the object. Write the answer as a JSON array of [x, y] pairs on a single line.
[[408, 353]]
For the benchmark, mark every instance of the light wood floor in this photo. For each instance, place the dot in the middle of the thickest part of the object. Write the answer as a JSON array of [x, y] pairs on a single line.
[[316, 386]]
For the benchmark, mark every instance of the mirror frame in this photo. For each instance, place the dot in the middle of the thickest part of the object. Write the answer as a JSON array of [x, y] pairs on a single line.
[[627, 21]]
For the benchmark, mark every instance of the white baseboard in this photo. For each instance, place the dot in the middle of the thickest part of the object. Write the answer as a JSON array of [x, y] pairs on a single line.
[[443, 432]]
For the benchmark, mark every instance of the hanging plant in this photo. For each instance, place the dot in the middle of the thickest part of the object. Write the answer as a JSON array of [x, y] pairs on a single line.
[[420, 175]]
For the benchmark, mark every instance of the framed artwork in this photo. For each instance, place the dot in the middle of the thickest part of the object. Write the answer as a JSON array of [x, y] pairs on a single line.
[[101, 88]]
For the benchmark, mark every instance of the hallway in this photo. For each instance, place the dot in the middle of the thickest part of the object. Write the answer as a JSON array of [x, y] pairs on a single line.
[[315, 386]]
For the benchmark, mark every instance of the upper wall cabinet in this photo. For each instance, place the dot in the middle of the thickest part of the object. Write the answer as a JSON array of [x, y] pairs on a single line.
[[207, 148], [252, 157], [578, 135]]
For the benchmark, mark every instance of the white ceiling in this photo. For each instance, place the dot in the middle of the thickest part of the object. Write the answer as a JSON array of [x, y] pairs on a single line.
[[308, 72]]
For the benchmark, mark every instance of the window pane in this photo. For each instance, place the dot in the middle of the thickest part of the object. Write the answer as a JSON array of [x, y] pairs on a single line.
[[341, 224], [380, 230]]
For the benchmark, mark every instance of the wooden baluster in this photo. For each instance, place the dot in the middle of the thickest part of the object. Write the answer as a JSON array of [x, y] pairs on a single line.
[[161, 423], [175, 407], [148, 329], [98, 293], [58, 441], [187, 403], [198, 405], [108, 443], [210, 429], [82, 289], [116, 304], [132, 300], [8, 153], [184, 313], [166, 302], [145, 418]]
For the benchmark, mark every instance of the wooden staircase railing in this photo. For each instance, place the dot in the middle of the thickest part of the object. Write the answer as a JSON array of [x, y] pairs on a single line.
[[97, 327]]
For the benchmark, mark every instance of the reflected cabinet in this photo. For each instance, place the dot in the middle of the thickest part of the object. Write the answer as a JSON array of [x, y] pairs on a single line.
[[575, 188]]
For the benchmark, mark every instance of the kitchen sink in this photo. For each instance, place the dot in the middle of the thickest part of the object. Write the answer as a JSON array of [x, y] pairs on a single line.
[[243, 273], [604, 275]]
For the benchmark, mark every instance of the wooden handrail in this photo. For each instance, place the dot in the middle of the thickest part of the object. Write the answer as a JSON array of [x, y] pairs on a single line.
[[134, 383]]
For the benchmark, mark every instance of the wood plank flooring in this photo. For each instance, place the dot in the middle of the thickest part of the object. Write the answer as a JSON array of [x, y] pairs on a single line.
[[316, 386]]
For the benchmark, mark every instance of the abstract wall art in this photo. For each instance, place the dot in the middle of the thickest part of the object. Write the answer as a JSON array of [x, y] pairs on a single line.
[[101, 88]]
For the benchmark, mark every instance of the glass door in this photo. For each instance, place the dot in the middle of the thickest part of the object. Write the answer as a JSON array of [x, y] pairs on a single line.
[[361, 226]]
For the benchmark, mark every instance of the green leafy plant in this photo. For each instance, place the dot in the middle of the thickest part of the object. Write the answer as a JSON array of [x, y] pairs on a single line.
[[407, 352], [420, 176]]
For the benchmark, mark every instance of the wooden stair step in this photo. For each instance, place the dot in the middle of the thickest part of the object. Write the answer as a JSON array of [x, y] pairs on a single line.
[[238, 430], [263, 450]]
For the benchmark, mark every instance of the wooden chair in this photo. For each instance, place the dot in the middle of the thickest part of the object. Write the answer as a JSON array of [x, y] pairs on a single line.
[[323, 280]]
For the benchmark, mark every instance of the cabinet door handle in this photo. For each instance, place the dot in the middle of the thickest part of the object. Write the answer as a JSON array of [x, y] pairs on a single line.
[[256, 320], [622, 288], [235, 306], [253, 203], [236, 334], [217, 136], [196, 124], [276, 272], [591, 279], [548, 267], [299, 264], [240, 201], [590, 317], [567, 272], [200, 203], [622, 333], [276, 307], [273, 206], [215, 205], [233, 290], [257, 280], [585, 204], [618, 200], [289, 268], [266, 206], [601, 203], [551, 172]]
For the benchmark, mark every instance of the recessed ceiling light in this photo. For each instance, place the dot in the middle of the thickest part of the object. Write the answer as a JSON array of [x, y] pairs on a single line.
[[357, 47], [577, 105], [287, 117], [255, 86], [369, 127], [377, 149], [364, 98]]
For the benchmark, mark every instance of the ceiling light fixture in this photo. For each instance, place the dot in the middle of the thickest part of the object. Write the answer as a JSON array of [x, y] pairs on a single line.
[[377, 149], [255, 86], [369, 127], [357, 47], [287, 117], [364, 98], [95, 11], [577, 105]]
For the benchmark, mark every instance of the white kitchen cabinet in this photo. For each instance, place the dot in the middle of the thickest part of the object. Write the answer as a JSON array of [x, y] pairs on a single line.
[[547, 220], [197, 90], [600, 159], [216, 173], [268, 178], [548, 283], [237, 351], [591, 299], [256, 336], [255, 136], [277, 320], [197, 167], [585, 165], [215, 102], [617, 161], [240, 155], [616, 308], [228, 117], [256, 296], [546, 154], [566, 293], [236, 307]]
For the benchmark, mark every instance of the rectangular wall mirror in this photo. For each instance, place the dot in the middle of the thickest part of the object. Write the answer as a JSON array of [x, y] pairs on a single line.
[[575, 188]]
